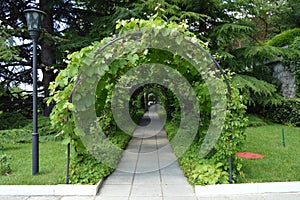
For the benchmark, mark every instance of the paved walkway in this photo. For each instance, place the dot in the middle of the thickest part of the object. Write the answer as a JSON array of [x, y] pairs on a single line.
[[148, 168]]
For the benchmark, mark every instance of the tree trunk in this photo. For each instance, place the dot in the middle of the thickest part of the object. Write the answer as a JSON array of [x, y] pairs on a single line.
[[48, 58]]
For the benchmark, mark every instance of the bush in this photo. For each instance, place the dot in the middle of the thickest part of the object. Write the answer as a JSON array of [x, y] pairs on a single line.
[[86, 169], [44, 125], [284, 38], [5, 165], [202, 171], [288, 112], [22, 134], [12, 120], [254, 121]]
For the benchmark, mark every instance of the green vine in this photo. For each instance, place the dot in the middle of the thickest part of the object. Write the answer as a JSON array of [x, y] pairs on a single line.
[[90, 67]]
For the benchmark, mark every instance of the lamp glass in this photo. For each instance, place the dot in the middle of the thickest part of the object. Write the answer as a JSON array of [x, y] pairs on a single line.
[[34, 19]]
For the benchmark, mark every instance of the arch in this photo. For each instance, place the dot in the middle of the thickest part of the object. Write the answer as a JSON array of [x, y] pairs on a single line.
[[165, 39]]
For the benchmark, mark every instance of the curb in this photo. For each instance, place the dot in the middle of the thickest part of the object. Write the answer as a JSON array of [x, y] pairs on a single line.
[[50, 190], [247, 188]]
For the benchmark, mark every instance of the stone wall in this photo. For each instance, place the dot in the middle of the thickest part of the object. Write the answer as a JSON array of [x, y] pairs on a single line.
[[286, 78]]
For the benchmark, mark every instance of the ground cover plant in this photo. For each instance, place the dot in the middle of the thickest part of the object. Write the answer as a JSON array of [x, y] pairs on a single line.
[[279, 163]]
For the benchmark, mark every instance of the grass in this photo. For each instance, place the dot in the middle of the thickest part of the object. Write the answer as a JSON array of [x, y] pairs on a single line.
[[279, 163], [52, 164]]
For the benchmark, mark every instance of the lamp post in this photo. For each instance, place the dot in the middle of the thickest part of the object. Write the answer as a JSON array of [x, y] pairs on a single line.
[[34, 19]]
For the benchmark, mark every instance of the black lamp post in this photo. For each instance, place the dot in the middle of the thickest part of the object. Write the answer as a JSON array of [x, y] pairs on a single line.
[[34, 19]]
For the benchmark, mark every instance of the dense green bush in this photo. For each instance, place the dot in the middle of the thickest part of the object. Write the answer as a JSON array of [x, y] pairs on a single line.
[[22, 134], [254, 121], [288, 112], [4, 165], [202, 171], [214, 168], [284, 38], [86, 169], [12, 120]]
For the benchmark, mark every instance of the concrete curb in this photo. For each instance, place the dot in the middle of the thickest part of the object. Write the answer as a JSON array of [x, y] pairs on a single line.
[[50, 190], [247, 188]]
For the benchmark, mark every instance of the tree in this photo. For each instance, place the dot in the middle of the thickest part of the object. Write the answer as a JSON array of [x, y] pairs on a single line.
[[228, 26], [67, 27], [239, 45]]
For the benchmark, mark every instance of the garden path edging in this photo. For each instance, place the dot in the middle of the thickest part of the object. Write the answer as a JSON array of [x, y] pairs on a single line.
[[247, 188], [50, 190]]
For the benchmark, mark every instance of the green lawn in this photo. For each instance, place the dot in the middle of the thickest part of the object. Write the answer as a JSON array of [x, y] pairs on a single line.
[[280, 163], [52, 164]]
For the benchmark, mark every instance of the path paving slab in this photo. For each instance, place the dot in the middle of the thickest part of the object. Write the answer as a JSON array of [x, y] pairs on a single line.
[[154, 174]]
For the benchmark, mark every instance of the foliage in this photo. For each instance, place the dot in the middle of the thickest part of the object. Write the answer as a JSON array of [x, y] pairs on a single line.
[[21, 132], [285, 38], [88, 170], [106, 76], [287, 112], [227, 35], [12, 120], [7, 50], [5, 169], [233, 134], [202, 171], [15, 100], [256, 91], [287, 15], [214, 167], [254, 121], [71, 25], [173, 10], [238, 44]]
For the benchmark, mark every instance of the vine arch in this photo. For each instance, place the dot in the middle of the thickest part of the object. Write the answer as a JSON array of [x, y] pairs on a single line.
[[130, 52]]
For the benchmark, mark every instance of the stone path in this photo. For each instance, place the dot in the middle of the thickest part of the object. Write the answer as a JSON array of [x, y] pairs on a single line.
[[148, 168]]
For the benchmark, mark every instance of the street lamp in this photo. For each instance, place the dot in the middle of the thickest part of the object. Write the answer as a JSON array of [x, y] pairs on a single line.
[[34, 19]]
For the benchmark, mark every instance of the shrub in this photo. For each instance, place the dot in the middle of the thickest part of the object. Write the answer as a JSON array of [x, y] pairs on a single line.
[[284, 38], [22, 134], [5, 165], [288, 112], [88, 170], [202, 171], [44, 126], [254, 121], [11, 120]]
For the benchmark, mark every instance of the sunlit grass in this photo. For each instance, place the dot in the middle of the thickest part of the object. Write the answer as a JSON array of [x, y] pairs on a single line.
[[279, 163], [52, 164]]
